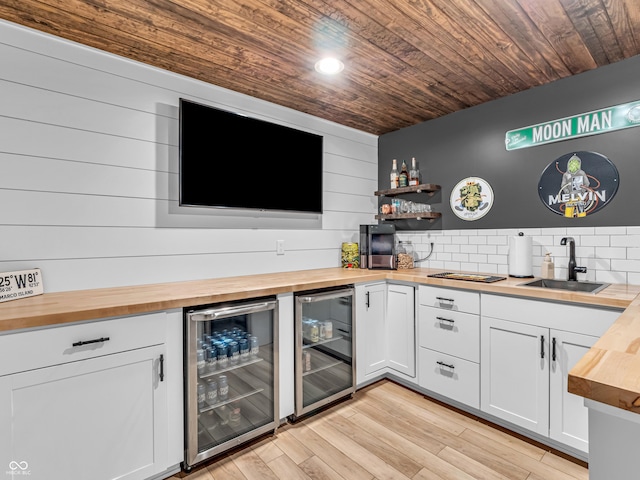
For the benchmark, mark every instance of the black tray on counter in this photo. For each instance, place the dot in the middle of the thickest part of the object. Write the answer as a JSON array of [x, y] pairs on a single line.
[[469, 277]]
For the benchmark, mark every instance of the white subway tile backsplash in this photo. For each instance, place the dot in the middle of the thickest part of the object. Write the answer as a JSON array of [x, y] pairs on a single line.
[[468, 249], [478, 258], [479, 240], [460, 257], [611, 254], [625, 241], [497, 240], [594, 240], [626, 265], [469, 267], [611, 230], [633, 278], [452, 266]]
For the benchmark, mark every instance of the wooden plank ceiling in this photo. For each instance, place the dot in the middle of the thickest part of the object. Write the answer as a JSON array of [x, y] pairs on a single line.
[[406, 61]]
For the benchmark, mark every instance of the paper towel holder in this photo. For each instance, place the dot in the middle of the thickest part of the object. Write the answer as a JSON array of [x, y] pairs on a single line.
[[520, 256]]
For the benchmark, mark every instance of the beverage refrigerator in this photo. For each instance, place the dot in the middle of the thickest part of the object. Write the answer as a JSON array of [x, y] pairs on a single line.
[[324, 348], [231, 375]]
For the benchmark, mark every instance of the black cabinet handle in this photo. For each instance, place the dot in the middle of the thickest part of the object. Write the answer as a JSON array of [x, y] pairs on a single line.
[[161, 367], [442, 299], [368, 305], [448, 365], [553, 349], [87, 342], [541, 346], [442, 319]]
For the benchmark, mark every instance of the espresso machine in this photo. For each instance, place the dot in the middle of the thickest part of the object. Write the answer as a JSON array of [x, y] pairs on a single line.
[[378, 246]]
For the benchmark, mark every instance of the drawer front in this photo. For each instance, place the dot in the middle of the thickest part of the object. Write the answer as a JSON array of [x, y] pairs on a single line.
[[55, 345], [450, 299], [454, 333], [450, 376]]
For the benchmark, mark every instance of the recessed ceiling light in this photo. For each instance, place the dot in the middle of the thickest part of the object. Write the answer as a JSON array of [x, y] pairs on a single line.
[[329, 66]]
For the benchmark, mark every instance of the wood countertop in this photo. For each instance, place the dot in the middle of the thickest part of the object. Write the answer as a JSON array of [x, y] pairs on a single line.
[[608, 373]]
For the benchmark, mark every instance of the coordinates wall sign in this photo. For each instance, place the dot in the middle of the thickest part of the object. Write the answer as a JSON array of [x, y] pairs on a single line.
[[578, 184], [471, 198]]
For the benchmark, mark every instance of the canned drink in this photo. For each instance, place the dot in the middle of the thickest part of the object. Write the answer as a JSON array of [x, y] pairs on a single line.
[[223, 355], [307, 361], [314, 331], [234, 413], [202, 395], [212, 359], [212, 392], [234, 352], [223, 388], [243, 344], [253, 346], [328, 329], [200, 361]]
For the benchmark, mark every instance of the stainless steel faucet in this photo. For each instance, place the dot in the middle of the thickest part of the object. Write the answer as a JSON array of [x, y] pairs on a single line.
[[573, 270]]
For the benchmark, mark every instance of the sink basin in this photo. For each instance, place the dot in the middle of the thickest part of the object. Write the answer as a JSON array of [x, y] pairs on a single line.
[[573, 286]]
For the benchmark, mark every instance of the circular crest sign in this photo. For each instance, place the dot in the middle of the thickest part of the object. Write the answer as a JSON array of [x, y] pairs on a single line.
[[578, 184], [471, 198]]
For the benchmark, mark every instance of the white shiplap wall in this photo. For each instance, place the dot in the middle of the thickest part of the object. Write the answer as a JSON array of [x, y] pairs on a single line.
[[88, 187]]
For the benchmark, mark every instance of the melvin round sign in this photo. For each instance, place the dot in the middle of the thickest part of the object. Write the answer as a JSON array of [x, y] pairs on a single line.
[[578, 184]]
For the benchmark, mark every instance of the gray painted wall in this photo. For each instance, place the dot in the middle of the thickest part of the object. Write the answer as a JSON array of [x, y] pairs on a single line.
[[471, 142]]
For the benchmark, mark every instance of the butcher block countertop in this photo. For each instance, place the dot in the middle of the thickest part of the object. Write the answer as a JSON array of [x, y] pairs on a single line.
[[608, 373]]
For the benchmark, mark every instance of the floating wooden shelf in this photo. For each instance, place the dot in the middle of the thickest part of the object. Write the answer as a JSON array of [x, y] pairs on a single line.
[[428, 188], [431, 216]]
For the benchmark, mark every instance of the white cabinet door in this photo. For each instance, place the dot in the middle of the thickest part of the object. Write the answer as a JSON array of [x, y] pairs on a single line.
[[371, 342], [515, 373], [568, 417], [401, 331], [101, 418]]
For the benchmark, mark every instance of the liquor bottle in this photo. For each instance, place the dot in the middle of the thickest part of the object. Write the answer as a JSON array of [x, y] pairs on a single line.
[[403, 179], [414, 174], [394, 175]]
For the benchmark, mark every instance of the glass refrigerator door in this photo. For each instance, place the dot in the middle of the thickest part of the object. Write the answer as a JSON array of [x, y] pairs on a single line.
[[325, 369], [232, 377]]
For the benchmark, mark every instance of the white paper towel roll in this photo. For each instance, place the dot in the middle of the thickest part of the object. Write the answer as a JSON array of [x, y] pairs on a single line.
[[520, 256]]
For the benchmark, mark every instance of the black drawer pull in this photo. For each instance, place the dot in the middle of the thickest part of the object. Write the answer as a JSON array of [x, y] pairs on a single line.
[[448, 365], [442, 319], [442, 299], [161, 368], [87, 342], [541, 346]]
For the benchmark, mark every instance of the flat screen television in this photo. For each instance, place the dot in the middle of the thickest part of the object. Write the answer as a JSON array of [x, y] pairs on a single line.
[[234, 161]]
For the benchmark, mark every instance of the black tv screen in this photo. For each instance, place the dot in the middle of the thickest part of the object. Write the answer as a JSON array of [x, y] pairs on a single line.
[[230, 160]]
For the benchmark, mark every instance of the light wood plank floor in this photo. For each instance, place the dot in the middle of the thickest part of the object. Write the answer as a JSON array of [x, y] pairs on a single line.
[[389, 432]]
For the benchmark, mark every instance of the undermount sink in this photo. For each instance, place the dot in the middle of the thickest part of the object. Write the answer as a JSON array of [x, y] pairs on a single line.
[[573, 286]]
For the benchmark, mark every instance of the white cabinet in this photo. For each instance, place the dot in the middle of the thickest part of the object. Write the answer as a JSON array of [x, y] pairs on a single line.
[[568, 417], [515, 373], [527, 350], [100, 409], [400, 329], [371, 350], [449, 343], [385, 331]]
